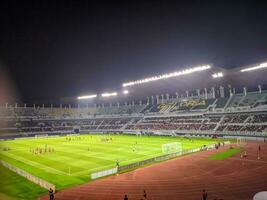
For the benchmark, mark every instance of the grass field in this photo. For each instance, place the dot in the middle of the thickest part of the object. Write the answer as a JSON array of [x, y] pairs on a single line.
[[226, 154], [71, 160]]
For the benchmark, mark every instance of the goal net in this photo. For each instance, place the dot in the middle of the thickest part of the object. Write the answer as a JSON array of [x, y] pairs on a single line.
[[41, 136], [172, 147]]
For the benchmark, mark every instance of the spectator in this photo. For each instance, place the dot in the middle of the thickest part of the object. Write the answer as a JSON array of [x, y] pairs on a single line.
[[145, 195], [51, 194], [125, 197], [204, 195]]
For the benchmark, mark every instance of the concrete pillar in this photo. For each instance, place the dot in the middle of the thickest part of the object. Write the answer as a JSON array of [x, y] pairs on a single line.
[[198, 92], [245, 91], [213, 92], [157, 98], [168, 97], [259, 86], [221, 91], [230, 90], [147, 102], [152, 99], [162, 98], [206, 93], [187, 93]]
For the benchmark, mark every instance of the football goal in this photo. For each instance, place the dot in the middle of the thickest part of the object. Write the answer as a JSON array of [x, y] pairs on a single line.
[[172, 147], [41, 136]]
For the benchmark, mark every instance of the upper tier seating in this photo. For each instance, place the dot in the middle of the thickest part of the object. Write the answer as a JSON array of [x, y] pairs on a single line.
[[252, 99], [221, 102], [207, 103], [124, 109]]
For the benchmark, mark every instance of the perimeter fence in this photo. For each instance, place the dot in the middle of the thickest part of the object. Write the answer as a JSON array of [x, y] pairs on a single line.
[[164, 157], [30, 177]]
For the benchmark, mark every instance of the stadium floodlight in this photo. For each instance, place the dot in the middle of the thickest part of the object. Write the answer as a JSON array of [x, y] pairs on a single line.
[[109, 94], [87, 96], [217, 75], [263, 65], [125, 91], [166, 76]]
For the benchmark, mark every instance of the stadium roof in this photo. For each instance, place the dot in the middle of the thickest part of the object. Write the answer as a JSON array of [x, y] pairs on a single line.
[[253, 76]]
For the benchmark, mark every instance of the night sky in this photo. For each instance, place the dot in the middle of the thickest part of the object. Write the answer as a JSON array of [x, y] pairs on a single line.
[[54, 49]]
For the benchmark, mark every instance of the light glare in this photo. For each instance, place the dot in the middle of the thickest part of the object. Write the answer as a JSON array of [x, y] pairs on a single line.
[[125, 91], [165, 76], [109, 94], [263, 65], [217, 75], [87, 96]]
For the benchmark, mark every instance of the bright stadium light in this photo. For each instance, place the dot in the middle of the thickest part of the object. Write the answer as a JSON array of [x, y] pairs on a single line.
[[87, 96], [109, 94], [166, 76], [217, 75], [125, 91], [263, 65]]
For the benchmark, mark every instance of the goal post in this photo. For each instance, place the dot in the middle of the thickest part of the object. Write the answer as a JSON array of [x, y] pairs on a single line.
[[172, 147], [41, 136]]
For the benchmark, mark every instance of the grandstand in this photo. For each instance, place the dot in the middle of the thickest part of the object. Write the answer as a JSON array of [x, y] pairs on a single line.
[[239, 114]]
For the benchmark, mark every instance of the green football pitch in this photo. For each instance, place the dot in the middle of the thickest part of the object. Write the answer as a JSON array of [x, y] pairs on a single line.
[[68, 161]]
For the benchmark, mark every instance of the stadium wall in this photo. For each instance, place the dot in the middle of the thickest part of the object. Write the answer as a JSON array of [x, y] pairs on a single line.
[[104, 173]]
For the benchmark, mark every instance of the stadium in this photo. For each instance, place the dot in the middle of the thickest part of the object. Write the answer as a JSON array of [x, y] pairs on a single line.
[[133, 100], [210, 134]]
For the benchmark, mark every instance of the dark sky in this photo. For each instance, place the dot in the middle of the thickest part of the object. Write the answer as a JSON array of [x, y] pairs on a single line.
[[53, 49]]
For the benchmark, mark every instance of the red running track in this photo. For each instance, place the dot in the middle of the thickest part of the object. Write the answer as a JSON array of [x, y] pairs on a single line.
[[183, 178]]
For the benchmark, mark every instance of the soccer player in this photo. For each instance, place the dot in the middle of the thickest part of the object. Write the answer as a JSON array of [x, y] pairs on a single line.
[[117, 163], [125, 197]]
